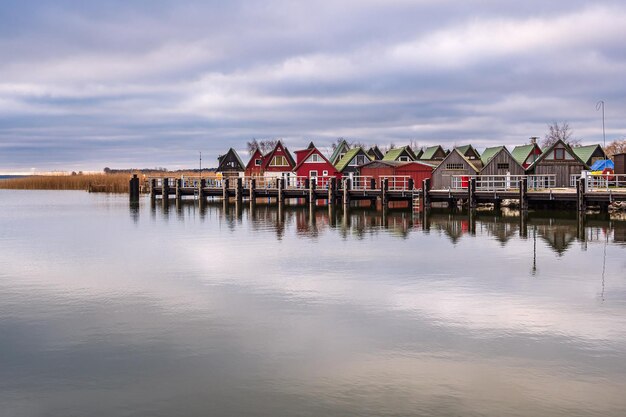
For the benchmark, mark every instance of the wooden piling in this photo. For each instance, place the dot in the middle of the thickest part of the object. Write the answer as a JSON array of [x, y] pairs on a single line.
[[252, 192], [178, 188], [581, 204], [225, 189], [426, 192], [384, 187], [471, 190], [332, 184], [346, 192], [165, 187], [133, 188], [312, 185], [281, 186], [523, 194], [239, 190], [153, 182]]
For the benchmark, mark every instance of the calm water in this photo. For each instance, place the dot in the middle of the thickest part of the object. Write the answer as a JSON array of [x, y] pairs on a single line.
[[106, 310]]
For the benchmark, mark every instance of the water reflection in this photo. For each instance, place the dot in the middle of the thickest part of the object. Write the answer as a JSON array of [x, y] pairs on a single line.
[[558, 230]]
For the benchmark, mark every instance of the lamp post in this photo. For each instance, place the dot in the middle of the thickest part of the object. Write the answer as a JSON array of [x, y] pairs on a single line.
[[600, 105], [200, 152]]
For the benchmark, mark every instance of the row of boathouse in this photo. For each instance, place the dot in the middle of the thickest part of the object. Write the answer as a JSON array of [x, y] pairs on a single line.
[[444, 167]]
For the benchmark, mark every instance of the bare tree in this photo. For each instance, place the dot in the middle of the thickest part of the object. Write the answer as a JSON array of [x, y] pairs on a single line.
[[558, 131], [615, 147], [337, 142], [267, 145], [252, 146]]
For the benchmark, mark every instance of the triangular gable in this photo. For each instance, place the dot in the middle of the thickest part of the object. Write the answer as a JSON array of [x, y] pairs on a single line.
[[494, 158], [469, 152], [489, 153], [430, 152], [396, 153], [257, 155], [231, 155], [310, 152], [455, 151], [548, 151], [523, 152], [343, 147], [375, 153], [349, 156], [279, 145]]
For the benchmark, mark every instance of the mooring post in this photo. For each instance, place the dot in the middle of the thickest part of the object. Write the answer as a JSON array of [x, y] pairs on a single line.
[[331, 191], [133, 188], [239, 190], [252, 192], [581, 205], [384, 187], [426, 192], [201, 185], [153, 183], [178, 186], [471, 190], [312, 185], [346, 192], [523, 194], [225, 189], [281, 185], [166, 188]]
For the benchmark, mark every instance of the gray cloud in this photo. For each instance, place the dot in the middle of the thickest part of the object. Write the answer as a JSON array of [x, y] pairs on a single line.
[[151, 83]]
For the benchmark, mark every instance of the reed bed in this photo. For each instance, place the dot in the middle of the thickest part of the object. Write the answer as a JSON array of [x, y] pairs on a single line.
[[108, 183]]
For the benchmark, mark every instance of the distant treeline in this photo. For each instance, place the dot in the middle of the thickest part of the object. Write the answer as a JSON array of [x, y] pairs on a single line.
[[153, 171]]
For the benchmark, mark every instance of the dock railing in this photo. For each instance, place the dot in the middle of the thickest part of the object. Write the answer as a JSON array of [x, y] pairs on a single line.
[[322, 182], [607, 182], [361, 182], [295, 183], [397, 182], [541, 182]]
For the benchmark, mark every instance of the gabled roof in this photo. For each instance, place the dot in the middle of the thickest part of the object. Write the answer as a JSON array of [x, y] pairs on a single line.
[[430, 152], [310, 152], [397, 163], [234, 152], [474, 165], [490, 153], [499, 149], [374, 152], [585, 153], [311, 146], [342, 147], [343, 162], [395, 153], [466, 148], [268, 158], [257, 154], [547, 151], [419, 153], [520, 153]]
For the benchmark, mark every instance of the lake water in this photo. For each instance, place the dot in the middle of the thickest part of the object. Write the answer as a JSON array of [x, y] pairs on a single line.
[[112, 310]]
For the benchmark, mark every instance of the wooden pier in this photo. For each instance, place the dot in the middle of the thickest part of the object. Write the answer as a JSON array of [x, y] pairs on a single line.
[[528, 190]]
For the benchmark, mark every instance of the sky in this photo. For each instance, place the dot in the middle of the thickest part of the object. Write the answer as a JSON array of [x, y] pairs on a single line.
[[139, 84]]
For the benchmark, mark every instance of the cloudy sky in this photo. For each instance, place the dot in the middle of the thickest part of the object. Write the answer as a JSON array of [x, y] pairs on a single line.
[[84, 85]]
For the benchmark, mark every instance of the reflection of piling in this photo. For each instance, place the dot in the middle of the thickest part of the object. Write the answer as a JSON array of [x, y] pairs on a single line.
[[523, 224], [472, 222], [133, 188]]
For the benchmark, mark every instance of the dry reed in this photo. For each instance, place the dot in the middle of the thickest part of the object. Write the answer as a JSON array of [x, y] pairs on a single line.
[[109, 183]]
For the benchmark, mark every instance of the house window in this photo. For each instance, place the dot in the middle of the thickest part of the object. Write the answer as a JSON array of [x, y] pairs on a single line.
[[404, 159], [257, 162], [279, 161], [312, 174], [341, 155], [358, 160], [454, 166], [325, 173], [503, 166], [315, 158], [559, 153]]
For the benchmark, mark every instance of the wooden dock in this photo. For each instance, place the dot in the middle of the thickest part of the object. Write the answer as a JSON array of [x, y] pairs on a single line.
[[530, 190]]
